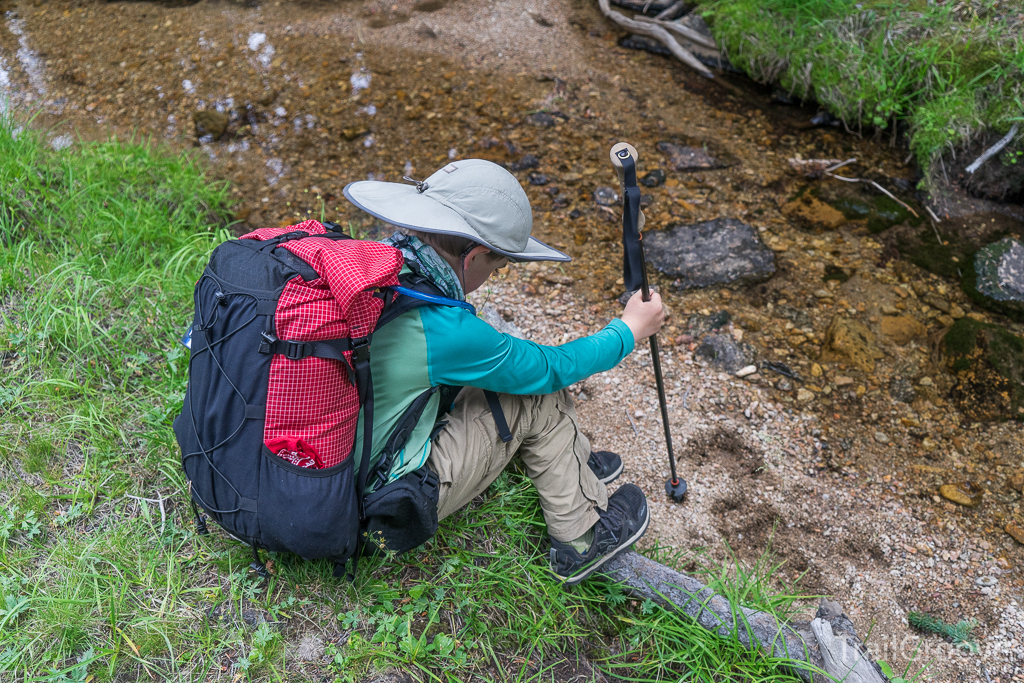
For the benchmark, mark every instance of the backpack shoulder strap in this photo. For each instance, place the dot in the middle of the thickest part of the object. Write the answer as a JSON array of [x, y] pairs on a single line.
[[412, 292]]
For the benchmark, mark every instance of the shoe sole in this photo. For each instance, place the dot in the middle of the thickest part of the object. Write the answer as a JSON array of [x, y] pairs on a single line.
[[614, 475], [573, 580]]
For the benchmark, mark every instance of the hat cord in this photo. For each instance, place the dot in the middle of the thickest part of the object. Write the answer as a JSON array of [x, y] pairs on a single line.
[[421, 185]]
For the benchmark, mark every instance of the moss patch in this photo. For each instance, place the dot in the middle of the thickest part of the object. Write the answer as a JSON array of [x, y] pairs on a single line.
[[988, 363]]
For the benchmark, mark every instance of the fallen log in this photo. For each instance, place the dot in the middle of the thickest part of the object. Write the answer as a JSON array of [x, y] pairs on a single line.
[[658, 33], [837, 654]]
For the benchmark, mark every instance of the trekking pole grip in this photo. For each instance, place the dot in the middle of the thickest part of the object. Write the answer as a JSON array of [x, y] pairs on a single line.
[[620, 155]]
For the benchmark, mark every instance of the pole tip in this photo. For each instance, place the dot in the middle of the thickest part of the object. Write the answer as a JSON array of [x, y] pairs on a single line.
[[676, 490]]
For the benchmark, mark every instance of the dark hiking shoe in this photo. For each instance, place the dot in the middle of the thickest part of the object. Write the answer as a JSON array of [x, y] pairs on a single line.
[[606, 465], [619, 527]]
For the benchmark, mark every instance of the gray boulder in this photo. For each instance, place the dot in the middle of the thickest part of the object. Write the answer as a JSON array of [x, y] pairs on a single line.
[[1000, 270], [719, 252]]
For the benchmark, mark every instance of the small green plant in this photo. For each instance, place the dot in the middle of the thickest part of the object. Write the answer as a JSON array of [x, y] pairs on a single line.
[[959, 633], [263, 641]]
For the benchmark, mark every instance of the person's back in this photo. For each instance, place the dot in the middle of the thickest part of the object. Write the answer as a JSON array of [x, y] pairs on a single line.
[[461, 224]]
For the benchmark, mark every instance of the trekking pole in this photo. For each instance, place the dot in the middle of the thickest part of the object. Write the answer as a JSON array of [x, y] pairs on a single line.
[[634, 276]]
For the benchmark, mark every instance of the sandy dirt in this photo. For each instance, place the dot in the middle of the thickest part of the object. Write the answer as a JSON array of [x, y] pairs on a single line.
[[826, 466]]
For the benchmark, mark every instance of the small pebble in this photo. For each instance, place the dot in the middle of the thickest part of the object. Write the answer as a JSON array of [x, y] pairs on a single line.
[[747, 370]]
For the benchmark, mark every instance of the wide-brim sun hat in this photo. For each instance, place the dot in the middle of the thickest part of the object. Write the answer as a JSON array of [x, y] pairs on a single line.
[[471, 198]]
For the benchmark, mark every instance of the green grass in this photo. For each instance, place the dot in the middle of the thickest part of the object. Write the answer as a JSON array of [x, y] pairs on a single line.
[[101, 574], [947, 70]]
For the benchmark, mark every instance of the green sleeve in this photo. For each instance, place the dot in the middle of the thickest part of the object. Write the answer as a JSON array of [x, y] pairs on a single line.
[[463, 350]]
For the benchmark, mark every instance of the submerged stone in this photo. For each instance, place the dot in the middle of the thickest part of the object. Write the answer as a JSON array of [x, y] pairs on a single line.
[[718, 252], [653, 179], [852, 342], [682, 158], [988, 363], [210, 123]]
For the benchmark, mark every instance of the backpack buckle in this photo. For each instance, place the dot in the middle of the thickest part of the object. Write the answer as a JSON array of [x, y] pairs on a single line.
[[360, 349], [297, 350], [269, 342]]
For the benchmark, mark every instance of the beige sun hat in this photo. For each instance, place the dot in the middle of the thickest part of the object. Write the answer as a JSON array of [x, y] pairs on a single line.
[[471, 198]]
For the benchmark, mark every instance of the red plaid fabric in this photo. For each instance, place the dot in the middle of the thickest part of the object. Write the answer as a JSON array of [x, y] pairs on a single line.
[[312, 401]]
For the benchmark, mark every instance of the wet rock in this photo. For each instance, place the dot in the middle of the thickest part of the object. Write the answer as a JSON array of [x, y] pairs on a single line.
[[999, 271], [354, 132], [267, 98], [964, 493], [814, 212], [699, 325], [902, 390], [526, 163], [653, 179], [689, 158], [425, 31], [852, 342], [210, 123], [537, 179], [936, 301], [722, 251], [988, 363], [1015, 530], [542, 119], [721, 351], [803, 395], [836, 273], [900, 329], [606, 196]]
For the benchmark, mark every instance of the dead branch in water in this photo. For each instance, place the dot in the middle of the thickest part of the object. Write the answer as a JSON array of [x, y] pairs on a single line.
[[658, 33]]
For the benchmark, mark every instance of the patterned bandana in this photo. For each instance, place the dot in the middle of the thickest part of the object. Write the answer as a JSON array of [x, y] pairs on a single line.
[[422, 259]]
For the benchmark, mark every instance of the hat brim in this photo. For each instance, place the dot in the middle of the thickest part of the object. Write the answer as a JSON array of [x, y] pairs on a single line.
[[403, 206]]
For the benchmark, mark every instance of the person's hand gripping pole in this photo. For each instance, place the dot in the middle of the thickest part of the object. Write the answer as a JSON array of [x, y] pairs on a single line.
[[634, 275]]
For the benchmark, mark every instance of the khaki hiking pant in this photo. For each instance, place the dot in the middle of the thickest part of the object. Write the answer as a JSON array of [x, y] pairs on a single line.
[[468, 455]]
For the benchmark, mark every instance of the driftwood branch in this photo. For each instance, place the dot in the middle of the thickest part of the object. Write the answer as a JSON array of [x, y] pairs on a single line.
[[658, 33], [671, 11], [681, 30], [844, 657], [993, 150]]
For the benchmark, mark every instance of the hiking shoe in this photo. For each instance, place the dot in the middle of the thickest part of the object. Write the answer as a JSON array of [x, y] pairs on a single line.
[[619, 527], [606, 465]]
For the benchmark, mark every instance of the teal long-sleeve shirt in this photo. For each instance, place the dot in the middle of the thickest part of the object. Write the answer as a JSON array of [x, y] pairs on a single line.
[[434, 345]]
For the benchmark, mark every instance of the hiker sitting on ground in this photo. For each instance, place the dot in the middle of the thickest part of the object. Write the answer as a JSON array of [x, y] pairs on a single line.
[[460, 225]]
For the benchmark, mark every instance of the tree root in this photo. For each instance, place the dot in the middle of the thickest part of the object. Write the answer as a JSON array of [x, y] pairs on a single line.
[[657, 31]]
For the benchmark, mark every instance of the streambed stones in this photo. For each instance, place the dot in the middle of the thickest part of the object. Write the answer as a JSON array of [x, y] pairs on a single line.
[[719, 252]]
